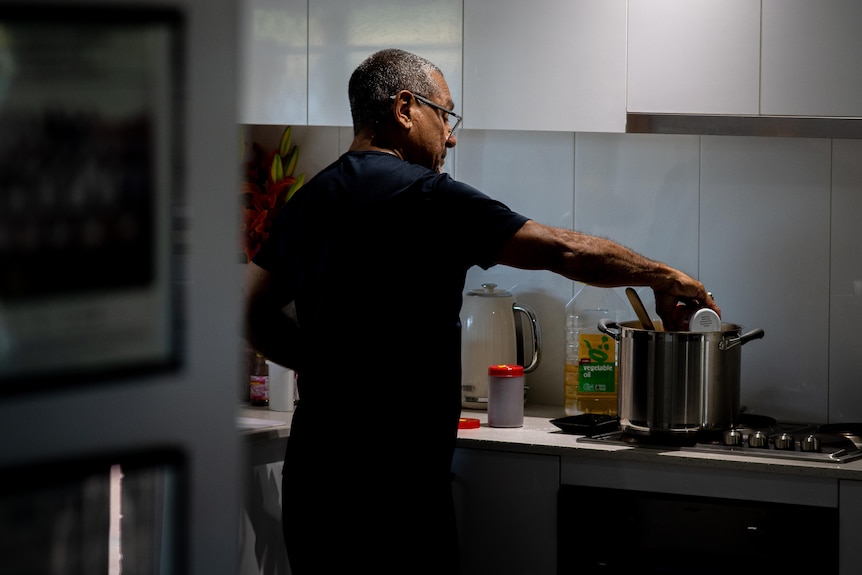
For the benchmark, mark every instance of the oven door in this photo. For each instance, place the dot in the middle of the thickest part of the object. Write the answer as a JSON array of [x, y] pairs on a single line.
[[610, 531]]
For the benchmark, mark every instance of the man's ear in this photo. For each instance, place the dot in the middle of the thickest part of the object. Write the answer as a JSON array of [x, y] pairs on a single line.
[[403, 109]]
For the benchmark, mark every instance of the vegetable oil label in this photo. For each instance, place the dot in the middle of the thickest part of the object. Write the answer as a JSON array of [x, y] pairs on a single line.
[[596, 368]]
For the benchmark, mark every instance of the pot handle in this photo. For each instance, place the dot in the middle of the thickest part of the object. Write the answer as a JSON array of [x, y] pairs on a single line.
[[606, 325], [732, 342], [537, 336]]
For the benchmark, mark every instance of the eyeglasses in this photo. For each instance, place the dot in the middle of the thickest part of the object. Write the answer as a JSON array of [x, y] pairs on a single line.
[[446, 112]]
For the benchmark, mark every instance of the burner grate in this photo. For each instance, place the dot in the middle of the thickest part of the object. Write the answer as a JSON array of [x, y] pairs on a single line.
[[754, 436]]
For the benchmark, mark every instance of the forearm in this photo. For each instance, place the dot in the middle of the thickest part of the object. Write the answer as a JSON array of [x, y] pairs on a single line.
[[605, 263], [582, 257], [601, 262]]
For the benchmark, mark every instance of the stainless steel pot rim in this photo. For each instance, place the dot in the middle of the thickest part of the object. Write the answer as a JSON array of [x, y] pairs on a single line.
[[676, 429], [728, 338], [726, 327]]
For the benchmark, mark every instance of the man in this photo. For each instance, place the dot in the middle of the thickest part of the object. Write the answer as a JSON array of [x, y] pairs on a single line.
[[374, 252]]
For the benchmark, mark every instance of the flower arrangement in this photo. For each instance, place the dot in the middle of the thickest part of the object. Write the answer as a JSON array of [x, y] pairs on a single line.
[[267, 184]]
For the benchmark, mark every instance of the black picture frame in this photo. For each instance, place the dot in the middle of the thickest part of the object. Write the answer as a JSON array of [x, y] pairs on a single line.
[[92, 209]]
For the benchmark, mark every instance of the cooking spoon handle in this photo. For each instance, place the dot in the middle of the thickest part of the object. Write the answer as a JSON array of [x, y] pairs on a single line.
[[640, 310]]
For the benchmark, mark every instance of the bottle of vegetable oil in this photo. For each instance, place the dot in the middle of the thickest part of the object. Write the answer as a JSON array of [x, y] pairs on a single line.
[[591, 356]]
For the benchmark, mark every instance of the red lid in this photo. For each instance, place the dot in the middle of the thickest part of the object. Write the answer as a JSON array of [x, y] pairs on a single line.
[[468, 423], [504, 370]]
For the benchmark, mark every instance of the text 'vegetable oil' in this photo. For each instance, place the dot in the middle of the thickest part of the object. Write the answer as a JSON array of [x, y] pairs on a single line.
[[590, 384]]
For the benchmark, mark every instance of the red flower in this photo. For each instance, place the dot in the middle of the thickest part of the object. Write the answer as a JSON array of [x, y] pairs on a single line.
[[268, 183]]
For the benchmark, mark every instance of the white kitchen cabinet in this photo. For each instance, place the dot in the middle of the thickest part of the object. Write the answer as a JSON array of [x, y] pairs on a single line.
[[556, 65], [342, 34], [810, 63], [506, 504], [694, 56], [273, 62]]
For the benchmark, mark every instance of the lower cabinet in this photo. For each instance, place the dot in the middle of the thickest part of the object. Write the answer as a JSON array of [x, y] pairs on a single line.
[[506, 506], [850, 526], [701, 519], [261, 544], [649, 533]]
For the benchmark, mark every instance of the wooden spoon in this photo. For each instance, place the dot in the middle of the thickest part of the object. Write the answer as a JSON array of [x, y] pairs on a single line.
[[640, 310]]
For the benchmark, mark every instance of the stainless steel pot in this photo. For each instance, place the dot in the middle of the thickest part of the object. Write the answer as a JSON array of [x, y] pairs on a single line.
[[676, 382]]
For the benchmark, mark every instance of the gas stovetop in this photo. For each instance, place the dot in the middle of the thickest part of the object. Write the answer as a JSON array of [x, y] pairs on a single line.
[[755, 436]]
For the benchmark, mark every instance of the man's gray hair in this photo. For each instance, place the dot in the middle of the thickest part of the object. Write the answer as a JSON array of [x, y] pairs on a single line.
[[382, 75]]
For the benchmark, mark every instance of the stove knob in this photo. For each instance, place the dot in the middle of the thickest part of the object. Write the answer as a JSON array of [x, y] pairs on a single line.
[[810, 443], [732, 437], [785, 442], [758, 439]]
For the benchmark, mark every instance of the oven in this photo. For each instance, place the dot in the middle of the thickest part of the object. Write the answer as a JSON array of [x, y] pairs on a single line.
[[605, 531], [647, 518]]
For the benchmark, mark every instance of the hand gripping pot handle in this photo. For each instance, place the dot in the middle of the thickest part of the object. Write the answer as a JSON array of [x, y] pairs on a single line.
[[537, 336]]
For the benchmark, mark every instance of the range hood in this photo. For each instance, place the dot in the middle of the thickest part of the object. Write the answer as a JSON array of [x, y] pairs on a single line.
[[771, 126]]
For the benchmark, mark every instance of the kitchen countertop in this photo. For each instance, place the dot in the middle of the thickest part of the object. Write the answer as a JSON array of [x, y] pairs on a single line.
[[539, 435]]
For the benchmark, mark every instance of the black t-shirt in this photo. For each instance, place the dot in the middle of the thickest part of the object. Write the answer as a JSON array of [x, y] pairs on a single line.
[[374, 251]]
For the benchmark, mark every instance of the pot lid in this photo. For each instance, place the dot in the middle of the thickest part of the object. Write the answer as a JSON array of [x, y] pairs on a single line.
[[489, 290]]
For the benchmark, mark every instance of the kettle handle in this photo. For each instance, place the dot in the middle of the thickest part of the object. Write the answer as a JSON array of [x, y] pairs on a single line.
[[536, 339]]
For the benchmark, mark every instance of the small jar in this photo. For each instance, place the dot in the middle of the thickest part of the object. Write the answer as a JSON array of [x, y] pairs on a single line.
[[258, 381], [698, 319], [505, 395]]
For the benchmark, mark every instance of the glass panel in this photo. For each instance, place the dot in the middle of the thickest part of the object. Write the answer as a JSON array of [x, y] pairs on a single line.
[[85, 517], [89, 172]]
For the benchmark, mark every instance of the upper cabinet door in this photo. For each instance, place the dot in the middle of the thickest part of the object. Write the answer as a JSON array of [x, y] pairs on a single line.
[[556, 65], [273, 64], [694, 56], [342, 34], [811, 53]]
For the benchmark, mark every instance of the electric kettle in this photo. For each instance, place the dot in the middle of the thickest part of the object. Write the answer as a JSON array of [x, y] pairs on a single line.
[[491, 336]]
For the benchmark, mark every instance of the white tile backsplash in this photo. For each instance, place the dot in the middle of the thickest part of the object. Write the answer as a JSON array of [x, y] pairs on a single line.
[[845, 293], [764, 252], [769, 224], [640, 190], [532, 173]]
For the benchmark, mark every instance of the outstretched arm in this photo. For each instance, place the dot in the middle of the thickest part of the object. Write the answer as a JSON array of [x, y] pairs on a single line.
[[601, 262]]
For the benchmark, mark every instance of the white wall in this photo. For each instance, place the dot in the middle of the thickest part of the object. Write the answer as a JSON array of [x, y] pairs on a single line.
[[769, 224]]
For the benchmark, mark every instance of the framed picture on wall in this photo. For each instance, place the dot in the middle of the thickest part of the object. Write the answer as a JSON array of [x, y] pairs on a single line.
[[90, 192]]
